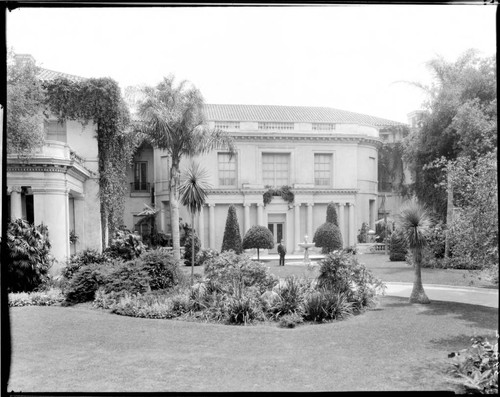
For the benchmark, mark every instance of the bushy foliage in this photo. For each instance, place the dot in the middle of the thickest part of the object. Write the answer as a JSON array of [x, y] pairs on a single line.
[[163, 270], [328, 237], [341, 272], [229, 271], [290, 320], [232, 237], [258, 237], [125, 245], [83, 258], [290, 297], [187, 242], [243, 309], [84, 283], [397, 246], [475, 369], [325, 305], [40, 298], [205, 254], [29, 256], [127, 276], [363, 233]]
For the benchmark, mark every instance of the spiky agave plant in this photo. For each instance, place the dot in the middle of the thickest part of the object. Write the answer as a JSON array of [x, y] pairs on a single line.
[[193, 195], [416, 224]]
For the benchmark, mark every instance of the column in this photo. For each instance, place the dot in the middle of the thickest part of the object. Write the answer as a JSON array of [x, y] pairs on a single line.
[[260, 214], [16, 209], [342, 223], [51, 208], [310, 231], [352, 225], [211, 224], [201, 227], [246, 220], [296, 229], [79, 222]]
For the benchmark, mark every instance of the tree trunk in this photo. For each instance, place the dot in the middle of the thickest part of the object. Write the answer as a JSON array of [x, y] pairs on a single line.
[[418, 294], [174, 209], [192, 248], [258, 258], [449, 218]]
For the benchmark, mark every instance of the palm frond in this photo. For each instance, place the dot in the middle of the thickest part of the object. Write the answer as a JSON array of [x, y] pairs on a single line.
[[416, 223], [193, 187]]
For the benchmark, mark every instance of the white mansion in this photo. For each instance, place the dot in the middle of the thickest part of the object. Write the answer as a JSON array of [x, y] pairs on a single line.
[[322, 154]]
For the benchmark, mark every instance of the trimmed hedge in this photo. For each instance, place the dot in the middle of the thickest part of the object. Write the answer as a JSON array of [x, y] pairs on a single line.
[[328, 237], [232, 237]]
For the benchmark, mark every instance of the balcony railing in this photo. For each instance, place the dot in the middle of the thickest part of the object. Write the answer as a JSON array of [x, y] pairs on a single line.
[[142, 187]]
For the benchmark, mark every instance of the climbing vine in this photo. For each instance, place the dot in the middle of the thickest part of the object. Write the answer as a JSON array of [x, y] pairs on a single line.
[[100, 101], [284, 191]]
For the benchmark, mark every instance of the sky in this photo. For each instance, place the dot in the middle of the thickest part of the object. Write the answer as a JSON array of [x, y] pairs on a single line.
[[360, 58]]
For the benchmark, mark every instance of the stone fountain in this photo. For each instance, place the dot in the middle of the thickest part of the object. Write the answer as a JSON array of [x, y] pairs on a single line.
[[306, 245]]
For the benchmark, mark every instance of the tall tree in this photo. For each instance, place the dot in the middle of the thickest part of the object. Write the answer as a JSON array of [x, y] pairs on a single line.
[[193, 195], [415, 224], [460, 113], [172, 117], [232, 236], [25, 98]]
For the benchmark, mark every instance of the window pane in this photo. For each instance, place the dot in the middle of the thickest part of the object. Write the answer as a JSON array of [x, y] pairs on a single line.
[[227, 170], [323, 169]]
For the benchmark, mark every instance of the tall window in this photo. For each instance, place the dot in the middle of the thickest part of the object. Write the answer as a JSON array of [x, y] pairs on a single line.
[[140, 176], [165, 172], [275, 169], [323, 169], [55, 131], [227, 170]]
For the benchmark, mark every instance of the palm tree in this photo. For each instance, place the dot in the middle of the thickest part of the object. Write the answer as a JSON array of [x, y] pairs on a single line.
[[172, 118], [193, 195], [415, 223]]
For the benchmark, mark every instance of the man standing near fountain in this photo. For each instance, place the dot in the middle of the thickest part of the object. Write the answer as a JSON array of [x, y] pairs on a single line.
[[282, 252]]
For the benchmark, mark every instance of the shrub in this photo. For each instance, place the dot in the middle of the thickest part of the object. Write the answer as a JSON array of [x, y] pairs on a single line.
[[229, 271], [187, 242], [83, 258], [232, 237], [29, 252], [290, 320], [162, 268], [206, 254], [328, 237], [84, 284], [475, 369], [397, 246], [125, 245], [325, 305], [41, 298], [258, 237], [342, 273], [363, 233], [145, 306], [127, 276], [290, 296], [437, 240], [242, 309]]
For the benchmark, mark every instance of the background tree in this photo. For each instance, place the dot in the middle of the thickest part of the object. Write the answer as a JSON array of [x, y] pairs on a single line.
[[328, 235], [258, 237], [415, 224], [25, 99], [232, 237], [193, 195], [172, 117], [460, 117], [397, 246]]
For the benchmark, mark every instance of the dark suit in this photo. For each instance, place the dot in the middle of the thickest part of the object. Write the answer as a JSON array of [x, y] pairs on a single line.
[[282, 252]]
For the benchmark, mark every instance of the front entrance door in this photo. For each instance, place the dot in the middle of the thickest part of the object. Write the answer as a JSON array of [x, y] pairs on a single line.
[[278, 231]]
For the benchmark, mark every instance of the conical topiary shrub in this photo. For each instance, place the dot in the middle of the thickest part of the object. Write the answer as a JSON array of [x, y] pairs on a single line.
[[232, 236], [328, 235]]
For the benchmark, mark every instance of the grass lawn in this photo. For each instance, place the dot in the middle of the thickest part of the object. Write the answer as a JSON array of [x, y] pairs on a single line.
[[395, 347]]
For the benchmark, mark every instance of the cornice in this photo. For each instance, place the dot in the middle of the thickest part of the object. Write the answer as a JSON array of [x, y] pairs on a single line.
[[284, 137], [299, 191]]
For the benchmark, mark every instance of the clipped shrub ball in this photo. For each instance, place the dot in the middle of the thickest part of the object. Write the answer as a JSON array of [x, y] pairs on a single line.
[[232, 237], [328, 237], [258, 237], [397, 247]]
